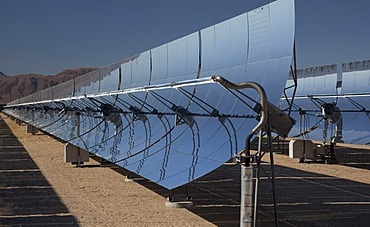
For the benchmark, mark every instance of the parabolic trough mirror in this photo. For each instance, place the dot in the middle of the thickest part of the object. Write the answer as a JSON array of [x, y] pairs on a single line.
[[332, 103], [160, 114]]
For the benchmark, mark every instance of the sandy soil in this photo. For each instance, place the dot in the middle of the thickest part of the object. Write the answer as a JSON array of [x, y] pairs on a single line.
[[90, 194]]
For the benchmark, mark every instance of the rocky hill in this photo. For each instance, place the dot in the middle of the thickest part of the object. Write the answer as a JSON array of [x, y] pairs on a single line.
[[14, 87], [2, 75]]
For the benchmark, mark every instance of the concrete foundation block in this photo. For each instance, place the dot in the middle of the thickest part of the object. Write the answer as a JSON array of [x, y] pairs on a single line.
[[75, 154], [18, 122], [302, 149], [31, 129], [180, 204]]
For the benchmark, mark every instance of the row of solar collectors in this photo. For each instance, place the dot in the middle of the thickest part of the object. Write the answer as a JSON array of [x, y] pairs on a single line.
[[158, 147], [244, 48], [348, 89], [323, 80], [153, 146], [158, 144]]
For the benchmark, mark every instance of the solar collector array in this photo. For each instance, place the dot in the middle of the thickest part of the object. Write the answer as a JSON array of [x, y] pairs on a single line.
[[348, 89], [160, 115]]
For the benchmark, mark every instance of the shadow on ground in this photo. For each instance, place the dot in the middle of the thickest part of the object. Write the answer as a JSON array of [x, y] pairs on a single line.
[[303, 198], [26, 197], [357, 158], [352, 157]]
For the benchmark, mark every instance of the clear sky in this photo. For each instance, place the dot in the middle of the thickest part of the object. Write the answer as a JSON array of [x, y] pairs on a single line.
[[48, 36]]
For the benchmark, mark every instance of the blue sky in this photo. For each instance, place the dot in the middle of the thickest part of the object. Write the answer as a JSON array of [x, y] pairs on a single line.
[[48, 36]]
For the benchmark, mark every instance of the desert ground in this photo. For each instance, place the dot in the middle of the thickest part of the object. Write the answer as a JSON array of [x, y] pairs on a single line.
[[38, 189]]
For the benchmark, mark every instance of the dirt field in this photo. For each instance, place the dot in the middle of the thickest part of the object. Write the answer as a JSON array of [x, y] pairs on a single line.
[[38, 188]]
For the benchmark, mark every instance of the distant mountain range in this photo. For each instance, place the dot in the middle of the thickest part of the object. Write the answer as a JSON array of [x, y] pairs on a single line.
[[14, 87]]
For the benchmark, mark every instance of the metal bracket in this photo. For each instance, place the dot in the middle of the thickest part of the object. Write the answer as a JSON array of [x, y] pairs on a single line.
[[183, 116], [244, 160], [138, 114]]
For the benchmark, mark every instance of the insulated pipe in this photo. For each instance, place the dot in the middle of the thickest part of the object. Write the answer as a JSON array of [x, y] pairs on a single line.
[[264, 103], [253, 85], [246, 203]]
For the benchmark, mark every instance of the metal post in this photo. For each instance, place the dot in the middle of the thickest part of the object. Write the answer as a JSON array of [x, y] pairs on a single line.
[[246, 211], [78, 134], [256, 188], [272, 164]]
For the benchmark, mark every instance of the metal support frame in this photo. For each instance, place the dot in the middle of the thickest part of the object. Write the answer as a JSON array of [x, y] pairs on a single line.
[[79, 163], [248, 216], [295, 85], [86, 105]]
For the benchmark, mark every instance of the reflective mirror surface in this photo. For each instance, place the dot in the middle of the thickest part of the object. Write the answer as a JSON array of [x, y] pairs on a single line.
[[348, 94]]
